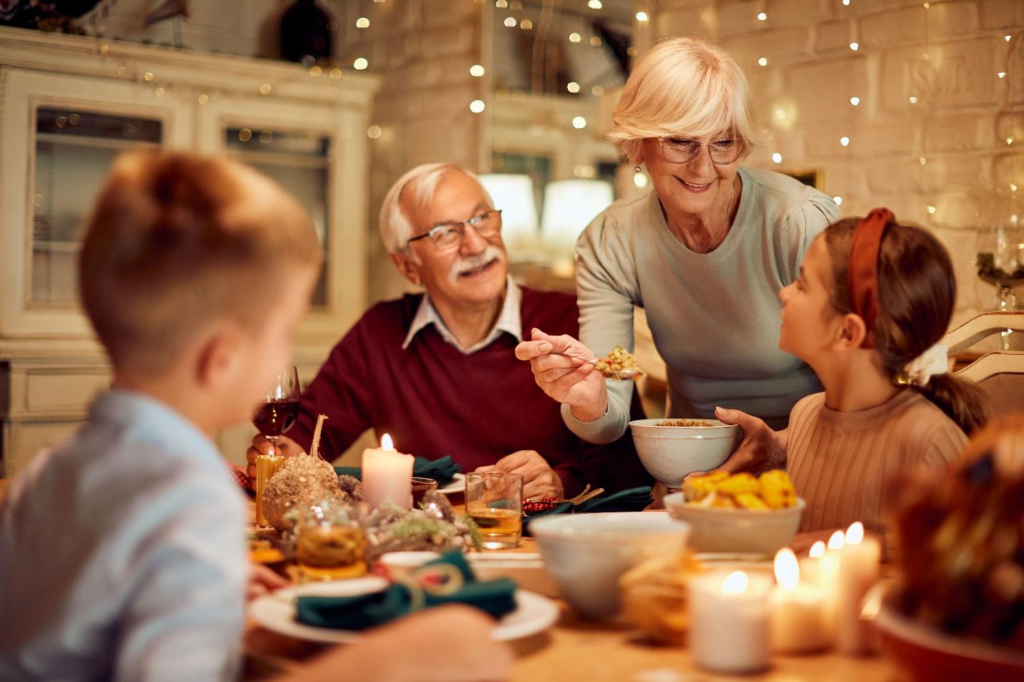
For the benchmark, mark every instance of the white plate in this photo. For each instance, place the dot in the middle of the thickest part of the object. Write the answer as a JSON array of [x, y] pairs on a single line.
[[456, 485], [276, 612]]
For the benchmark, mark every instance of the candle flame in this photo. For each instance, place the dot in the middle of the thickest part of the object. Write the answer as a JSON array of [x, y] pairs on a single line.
[[855, 533], [386, 443], [817, 550], [736, 583], [787, 570], [836, 541]]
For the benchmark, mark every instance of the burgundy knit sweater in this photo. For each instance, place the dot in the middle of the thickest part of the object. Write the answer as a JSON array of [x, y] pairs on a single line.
[[436, 401]]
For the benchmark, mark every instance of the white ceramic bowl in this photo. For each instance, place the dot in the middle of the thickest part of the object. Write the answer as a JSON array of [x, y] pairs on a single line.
[[671, 452], [741, 531], [586, 553]]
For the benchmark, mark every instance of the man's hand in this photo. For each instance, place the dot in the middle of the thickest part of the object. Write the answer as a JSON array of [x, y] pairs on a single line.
[[262, 581], [540, 481], [261, 446], [443, 644], [762, 449]]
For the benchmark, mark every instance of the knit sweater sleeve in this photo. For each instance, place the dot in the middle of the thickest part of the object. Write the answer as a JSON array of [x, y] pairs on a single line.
[[607, 290], [798, 228], [342, 391]]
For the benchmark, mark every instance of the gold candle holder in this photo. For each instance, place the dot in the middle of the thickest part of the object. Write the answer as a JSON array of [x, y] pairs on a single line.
[[266, 467]]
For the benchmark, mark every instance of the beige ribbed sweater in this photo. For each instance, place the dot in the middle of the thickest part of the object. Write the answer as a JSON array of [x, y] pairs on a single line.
[[840, 462]]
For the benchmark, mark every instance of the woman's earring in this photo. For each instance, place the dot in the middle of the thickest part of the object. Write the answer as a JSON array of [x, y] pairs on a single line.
[[636, 168]]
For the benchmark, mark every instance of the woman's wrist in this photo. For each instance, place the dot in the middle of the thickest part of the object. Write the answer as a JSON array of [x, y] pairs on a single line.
[[591, 412]]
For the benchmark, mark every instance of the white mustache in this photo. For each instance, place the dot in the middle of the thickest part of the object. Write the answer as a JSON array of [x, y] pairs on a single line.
[[491, 253]]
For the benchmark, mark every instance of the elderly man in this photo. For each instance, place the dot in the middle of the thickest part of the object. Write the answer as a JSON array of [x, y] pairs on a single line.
[[438, 370]]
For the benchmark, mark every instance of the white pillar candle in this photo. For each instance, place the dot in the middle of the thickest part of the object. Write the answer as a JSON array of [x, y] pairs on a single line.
[[387, 475], [810, 565], [859, 568], [798, 621], [828, 577], [729, 629]]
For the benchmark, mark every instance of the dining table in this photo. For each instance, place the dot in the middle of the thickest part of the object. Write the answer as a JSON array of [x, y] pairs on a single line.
[[576, 648]]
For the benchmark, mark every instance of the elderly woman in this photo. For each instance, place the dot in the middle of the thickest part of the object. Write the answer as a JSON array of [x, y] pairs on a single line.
[[705, 254]]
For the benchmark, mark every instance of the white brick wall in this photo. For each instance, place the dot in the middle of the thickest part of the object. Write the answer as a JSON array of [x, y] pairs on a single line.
[[947, 56]]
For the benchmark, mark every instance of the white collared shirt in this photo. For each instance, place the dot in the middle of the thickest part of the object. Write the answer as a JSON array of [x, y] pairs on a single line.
[[509, 321]]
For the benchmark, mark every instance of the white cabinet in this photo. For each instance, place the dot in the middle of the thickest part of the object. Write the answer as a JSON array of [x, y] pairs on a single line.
[[68, 106]]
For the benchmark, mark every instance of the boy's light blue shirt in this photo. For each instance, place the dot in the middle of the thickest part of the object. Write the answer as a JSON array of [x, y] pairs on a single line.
[[122, 554]]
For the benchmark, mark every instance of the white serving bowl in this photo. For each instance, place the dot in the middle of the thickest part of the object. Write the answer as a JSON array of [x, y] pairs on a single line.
[[741, 531], [671, 452], [586, 553]]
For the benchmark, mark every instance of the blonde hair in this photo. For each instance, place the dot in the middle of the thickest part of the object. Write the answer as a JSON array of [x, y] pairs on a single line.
[[177, 239], [396, 227], [683, 87]]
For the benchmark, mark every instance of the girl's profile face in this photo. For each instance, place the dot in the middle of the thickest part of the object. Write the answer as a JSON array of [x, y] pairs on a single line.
[[809, 322]]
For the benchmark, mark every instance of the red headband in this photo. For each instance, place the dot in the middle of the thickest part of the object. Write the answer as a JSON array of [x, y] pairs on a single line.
[[864, 252]]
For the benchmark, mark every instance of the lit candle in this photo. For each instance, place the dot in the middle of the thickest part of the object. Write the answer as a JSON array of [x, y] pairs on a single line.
[[810, 565], [729, 629], [797, 610], [858, 572], [387, 475]]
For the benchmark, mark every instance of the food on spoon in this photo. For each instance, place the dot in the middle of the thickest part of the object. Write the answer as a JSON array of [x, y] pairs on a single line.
[[619, 364], [772, 490], [690, 423]]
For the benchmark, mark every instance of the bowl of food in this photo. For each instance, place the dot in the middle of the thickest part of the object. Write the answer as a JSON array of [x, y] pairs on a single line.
[[924, 653], [671, 449], [587, 553], [740, 513]]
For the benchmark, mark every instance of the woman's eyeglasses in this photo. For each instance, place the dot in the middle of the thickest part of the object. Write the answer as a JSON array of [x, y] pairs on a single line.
[[681, 150], [449, 235]]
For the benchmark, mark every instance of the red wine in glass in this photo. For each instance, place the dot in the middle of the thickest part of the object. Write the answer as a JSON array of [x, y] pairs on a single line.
[[275, 417], [280, 409]]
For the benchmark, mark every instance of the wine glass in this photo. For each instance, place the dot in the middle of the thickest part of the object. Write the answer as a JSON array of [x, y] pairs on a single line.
[[277, 414], [280, 408], [1000, 262]]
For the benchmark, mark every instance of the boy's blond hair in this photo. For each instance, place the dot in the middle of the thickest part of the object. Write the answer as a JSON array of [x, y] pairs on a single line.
[[177, 240]]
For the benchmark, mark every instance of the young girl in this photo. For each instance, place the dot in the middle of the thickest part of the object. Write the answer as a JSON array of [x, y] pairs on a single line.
[[872, 303]]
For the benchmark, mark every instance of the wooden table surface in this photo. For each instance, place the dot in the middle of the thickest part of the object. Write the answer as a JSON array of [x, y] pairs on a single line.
[[579, 649]]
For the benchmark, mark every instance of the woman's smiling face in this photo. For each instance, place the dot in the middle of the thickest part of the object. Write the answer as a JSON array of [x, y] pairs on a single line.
[[694, 187]]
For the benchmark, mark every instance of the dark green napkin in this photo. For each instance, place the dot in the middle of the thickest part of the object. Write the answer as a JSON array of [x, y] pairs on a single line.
[[496, 597], [631, 499], [442, 470]]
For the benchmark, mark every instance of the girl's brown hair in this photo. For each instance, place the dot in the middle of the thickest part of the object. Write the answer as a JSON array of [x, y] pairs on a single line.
[[916, 295]]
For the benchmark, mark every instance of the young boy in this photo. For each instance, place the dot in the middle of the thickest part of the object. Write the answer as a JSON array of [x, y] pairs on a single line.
[[122, 552]]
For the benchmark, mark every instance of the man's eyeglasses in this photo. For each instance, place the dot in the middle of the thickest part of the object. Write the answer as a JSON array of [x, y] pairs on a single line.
[[681, 150], [449, 235]]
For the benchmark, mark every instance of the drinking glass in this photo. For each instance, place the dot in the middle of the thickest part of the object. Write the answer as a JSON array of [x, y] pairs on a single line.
[[330, 549], [1000, 262], [277, 414], [494, 501]]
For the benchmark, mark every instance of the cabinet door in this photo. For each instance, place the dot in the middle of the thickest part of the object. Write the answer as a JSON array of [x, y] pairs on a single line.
[[314, 152], [59, 139]]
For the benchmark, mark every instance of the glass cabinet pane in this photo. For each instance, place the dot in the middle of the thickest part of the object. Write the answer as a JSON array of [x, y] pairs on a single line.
[[73, 154], [300, 162]]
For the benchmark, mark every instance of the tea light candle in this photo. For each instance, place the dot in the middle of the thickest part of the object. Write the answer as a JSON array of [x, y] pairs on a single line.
[[729, 629], [859, 568], [387, 475], [797, 610]]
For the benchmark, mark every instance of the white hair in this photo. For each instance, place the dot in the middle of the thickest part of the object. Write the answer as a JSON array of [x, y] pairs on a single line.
[[396, 227], [683, 87]]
